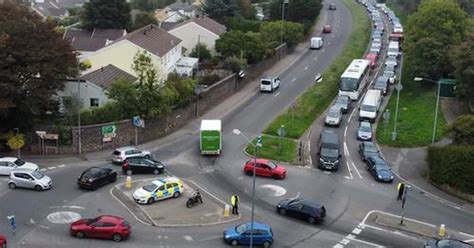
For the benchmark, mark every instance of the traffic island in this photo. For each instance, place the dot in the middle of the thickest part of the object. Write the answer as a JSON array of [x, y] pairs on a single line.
[[173, 212]]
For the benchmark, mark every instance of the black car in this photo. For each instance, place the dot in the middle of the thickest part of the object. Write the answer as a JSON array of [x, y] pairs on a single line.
[[95, 177], [379, 169], [447, 243], [136, 165], [382, 83], [332, 7], [310, 211], [367, 149], [344, 102]]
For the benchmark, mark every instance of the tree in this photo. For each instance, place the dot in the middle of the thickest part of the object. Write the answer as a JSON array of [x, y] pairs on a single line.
[[143, 19], [462, 130], [300, 11], [125, 94], [233, 43], [150, 5], [431, 30], [292, 33], [106, 14], [219, 10], [463, 62], [204, 53], [245, 9], [242, 24], [35, 62]]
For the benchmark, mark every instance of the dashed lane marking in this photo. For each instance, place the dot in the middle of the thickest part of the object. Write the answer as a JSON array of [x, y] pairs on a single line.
[[356, 231], [306, 68], [52, 167], [292, 80], [188, 238], [277, 94], [43, 169]]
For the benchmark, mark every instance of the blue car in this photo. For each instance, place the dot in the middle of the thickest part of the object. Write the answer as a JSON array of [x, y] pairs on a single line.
[[240, 235], [379, 169]]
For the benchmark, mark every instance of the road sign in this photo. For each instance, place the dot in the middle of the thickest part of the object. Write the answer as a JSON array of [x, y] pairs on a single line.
[[108, 132], [281, 131], [138, 122], [399, 87], [259, 141]]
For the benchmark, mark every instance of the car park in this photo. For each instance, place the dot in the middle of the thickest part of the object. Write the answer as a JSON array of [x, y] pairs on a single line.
[[382, 84], [389, 72], [307, 210], [329, 151], [265, 168], [159, 189], [31, 179], [333, 116], [344, 103], [364, 131], [9, 164], [367, 149], [391, 61], [379, 169], [332, 7], [104, 227], [142, 165], [120, 154], [446, 243], [327, 29], [240, 235], [95, 177]]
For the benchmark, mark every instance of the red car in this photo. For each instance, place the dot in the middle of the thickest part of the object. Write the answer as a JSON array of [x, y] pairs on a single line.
[[105, 226], [3, 241], [373, 59], [327, 29], [265, 168]]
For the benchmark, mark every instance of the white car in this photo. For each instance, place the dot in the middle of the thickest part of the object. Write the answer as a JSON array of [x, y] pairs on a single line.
[[122, 153], [158, 190], [391, 61], [8, 164]]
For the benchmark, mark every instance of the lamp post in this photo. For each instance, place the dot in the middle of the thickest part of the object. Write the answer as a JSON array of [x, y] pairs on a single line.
[[259, 144], [419, 79], [281, 31], [399, 88], [17, 131], [79, 145]]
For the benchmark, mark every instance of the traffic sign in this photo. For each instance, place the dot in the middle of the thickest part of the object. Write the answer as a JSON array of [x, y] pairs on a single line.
[[108, 132], [281, 131], [259, 141], [399, 86], [138, 122]]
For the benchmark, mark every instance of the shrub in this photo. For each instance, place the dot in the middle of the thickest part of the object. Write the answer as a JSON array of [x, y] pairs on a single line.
[[103, 114], [462, 130]]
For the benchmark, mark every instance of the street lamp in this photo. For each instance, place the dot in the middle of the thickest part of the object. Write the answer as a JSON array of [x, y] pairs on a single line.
[[419, 79], [281, 31], [259, 144], [17, 132]]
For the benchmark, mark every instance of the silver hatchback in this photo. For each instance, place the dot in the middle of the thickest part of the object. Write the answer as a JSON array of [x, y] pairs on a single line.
[[121, 154], [32, 179]]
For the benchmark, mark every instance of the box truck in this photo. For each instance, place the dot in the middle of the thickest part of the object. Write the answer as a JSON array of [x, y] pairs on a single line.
[[210, 142]]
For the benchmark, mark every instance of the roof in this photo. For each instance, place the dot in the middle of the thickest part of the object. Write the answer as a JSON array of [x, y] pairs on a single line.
[[168, 25], [85, 40], [105, 76], [87, 44], [153, 39], [211, 125], [56, 8], [257, 225], [126, 148], [186, 7], [202, 21], [110, 218]]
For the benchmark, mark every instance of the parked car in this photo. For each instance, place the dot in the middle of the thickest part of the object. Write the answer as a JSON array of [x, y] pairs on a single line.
[[391, 61], [32, 179], [344, 103], [159, 189], [379, 169], [447, 243], [307, 210], [265, 168], [240, 235], [3, 241], [382, 84], [327, 29], [122, 153], [368, 149], [105, 227], [95, 177], [332, 7], [364, 132], [8, 164], [390, 72], [333, 116], [137, 165]]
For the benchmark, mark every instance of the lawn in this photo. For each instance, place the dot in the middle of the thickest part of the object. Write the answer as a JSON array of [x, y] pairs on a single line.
[[271, 149], [309, 106]]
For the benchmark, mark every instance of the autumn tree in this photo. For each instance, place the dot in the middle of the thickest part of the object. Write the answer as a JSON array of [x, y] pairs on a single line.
[[35, 61], [106, 14]]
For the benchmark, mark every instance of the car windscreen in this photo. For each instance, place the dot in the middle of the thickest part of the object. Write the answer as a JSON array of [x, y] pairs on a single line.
[[37, 174], [370, 148], [150, 187], [19, 162], [329, 152], [333, 113], [240, 228], [272, 165], [368, 108], [266, 82], [364, 128]]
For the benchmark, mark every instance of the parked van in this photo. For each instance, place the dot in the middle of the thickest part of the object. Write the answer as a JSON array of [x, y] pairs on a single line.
[[329, 151], [393, 49], [316, 43], [370, 105]]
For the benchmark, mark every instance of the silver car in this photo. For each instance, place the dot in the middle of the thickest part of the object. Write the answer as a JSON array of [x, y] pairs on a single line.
[[391, 61], [364, 132], [8, 164], [333, 116], [120, 154], [32, 179]]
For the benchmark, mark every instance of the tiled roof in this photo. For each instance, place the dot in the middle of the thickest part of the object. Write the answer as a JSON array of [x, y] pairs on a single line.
[[110, 34], [105, 76], [168, 25], [56, 8], [84, 40], [87, 44]]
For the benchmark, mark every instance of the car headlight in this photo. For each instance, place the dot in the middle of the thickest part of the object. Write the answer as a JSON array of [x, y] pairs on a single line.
[[226, 236], [321, 160], [379, 176], [90, 180]]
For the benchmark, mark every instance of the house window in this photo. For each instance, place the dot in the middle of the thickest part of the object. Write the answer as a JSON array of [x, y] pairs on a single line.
[[67, 101], [94, 102]]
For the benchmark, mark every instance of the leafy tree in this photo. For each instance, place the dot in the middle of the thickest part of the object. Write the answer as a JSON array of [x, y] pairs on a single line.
[[125, 94], [16, 141], [181, 89], [150, 5], [272, 32], [233, 43], [463, 62], [107, 14], [35, 61], [431, 30], [143, 19], [245, 9], [462, 130], [204, 53], [242, 24], [300, 11], [219, 10]]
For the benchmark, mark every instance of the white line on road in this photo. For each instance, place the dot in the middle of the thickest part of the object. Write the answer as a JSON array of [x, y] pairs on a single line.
[[357, 170], [345, 241], [61, 166], [292, 80], [277, 94], [356, 231], [306, 68], [52, 167], [365, 242], [338, 246], [466, 234], [188, 238], [327, 172], [43, 169]]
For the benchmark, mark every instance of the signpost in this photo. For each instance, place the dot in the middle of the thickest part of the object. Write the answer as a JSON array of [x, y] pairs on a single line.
[[108, 132], [137, 122], [386, 119], [281, 132]]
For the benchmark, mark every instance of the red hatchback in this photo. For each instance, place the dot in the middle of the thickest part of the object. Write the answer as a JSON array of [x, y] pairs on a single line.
[[373, 59], [265, 168], [105, 227], [327, 29], [3, 241]]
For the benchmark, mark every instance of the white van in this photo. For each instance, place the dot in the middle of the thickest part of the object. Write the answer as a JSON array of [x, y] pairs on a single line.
[[316, 43], [269, 84], [393, 49], [370, 105]]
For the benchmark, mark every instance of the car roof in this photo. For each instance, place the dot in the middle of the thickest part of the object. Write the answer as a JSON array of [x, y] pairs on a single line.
[[378, 160], [334, 108], [110, 218], [343, 96], [368, 143], [9, 159], [260, 160], [311, 203], [95, 169], [25, 170], [162, 181], [257, 225], [126, 148]]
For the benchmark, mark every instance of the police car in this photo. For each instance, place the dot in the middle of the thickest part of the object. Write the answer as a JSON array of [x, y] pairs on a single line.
[[158, 190]]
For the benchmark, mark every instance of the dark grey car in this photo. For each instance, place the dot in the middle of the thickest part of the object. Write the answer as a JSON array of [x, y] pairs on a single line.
[[382, 84], [367, 149], [344, 102]]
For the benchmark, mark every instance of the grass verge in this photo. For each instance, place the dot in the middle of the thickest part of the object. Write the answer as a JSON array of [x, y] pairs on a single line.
[[315, 100], [271, 149]]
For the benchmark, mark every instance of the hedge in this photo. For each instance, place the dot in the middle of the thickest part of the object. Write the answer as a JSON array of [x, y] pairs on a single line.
[[452, 165]]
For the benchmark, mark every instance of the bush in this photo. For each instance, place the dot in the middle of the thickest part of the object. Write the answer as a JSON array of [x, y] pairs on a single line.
[[462, 130], [452, 165], [103, 114], [244, 25]]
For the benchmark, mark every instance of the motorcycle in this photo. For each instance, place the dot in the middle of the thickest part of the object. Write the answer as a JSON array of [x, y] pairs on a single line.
[[196, 199]]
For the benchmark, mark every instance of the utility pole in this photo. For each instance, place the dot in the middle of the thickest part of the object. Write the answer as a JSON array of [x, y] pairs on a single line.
[[281, 31], [79, 101]]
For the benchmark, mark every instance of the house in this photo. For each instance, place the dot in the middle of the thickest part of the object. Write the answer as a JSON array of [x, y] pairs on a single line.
[[176, 12], [200, 29], [55, 8], [92, 88], [85, 42]]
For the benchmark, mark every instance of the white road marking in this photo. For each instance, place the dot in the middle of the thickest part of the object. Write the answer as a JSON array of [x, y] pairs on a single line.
[[327, 172], [338, 246], [466, 234], [345, 241], [277, 94], [188, 238], [356, 231], [347, 177], [292, 80], [469, 240], [43, 169], [278, 191], [357, 170], [306, 68], [393, 215], [63, 217], [61, 166], [365, 242], [66, 206], [52, 167]]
